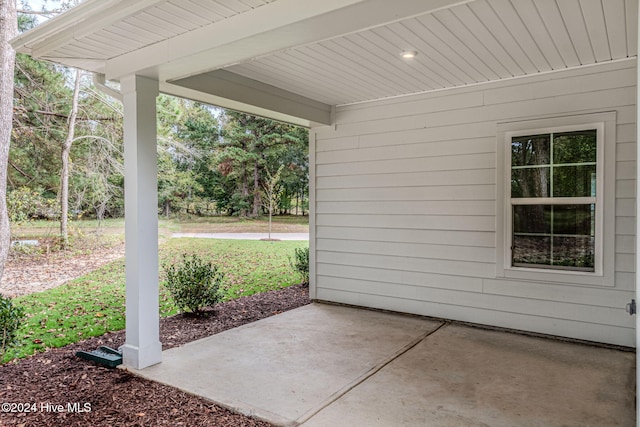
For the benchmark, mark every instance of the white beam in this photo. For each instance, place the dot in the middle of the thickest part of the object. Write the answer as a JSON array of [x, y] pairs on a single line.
[[142, 347], [277, 26], [217, 101], [234, 87]]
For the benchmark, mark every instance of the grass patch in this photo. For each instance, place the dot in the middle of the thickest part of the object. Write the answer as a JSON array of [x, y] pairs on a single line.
[[249, 266], [95, 303]]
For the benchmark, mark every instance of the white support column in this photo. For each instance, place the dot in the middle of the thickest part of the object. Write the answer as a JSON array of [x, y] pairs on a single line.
[[313, 289], [142, 347]]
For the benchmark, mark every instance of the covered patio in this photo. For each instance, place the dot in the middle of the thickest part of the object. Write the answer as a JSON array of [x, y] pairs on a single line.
[[324, 365], [416, 110]]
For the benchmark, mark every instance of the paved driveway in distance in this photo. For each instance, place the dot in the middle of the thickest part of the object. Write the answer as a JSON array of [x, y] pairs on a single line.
[[244, 236]]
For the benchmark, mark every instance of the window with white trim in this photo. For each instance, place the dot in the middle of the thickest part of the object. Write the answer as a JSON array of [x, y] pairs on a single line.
[[556, 199]]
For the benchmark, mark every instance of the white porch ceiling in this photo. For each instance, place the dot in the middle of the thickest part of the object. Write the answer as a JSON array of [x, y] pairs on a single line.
[[480, 41], [313, 54]]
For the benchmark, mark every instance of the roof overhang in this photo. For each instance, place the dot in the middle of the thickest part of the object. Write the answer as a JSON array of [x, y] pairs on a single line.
[[294, 60]]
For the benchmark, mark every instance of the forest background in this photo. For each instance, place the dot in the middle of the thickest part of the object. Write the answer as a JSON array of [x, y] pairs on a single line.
[[66, 152]]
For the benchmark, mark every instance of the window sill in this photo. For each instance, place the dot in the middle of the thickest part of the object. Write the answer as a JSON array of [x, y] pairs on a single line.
[[556, 276]]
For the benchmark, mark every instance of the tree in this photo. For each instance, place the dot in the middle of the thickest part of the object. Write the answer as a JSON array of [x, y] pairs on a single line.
[[42, 142], [250, 145], [39, 125], [66, 149], [56, 120], [271, 193], [187, 132], [8, 30]]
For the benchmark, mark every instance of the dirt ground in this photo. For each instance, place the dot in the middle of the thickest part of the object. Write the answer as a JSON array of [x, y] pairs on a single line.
[[24, 274]]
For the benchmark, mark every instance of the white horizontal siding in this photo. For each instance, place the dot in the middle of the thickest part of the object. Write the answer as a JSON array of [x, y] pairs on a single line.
[[625, 151], [443, 192], [552, 106], [618, 334], [405, 198], [625, 189], [403, 277], [460, 238], [403, 249], [625, 244], [625, 281], [409, 179], [611, 298], [436, 207], [588, 313], [442, 163], [625, 207], [421, 222], [422, 134], [423, 265], [418, 149]]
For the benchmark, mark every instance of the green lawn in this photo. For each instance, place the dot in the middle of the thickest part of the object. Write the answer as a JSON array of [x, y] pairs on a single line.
[[94, 304]]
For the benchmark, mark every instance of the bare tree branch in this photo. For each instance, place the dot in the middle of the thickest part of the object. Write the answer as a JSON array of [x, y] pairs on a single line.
[[23, 173], [47, 13], [63, 116]]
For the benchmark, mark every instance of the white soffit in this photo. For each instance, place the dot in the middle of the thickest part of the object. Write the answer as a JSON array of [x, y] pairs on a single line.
[[105, 29], [480, 41]]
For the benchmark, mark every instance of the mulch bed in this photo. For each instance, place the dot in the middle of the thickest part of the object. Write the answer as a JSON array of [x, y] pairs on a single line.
[[118, 398]]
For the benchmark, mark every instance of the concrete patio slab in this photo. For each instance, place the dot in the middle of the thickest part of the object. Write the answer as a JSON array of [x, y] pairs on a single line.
[[286, 368], [323, 365], [463, 376]]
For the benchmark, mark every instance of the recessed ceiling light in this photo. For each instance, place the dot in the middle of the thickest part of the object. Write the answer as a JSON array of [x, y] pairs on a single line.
[[408, 54]]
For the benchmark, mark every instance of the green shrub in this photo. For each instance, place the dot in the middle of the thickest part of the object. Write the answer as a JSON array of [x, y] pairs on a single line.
[[11, 317], [194, 284], [300, 263]]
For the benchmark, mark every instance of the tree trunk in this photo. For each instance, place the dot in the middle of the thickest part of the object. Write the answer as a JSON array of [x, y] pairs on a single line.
[[270, 213], [66, 149], [8, 30], [245, 190], [256, 191]]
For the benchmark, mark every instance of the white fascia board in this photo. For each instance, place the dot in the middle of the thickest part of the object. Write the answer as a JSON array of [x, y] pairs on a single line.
[[57, 25], [92, 65], [234, 87], [206, 98], [278, 26], [85, 19]]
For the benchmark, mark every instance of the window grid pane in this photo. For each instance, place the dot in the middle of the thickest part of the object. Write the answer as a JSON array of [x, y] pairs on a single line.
[[561, 236], [527, 150]]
